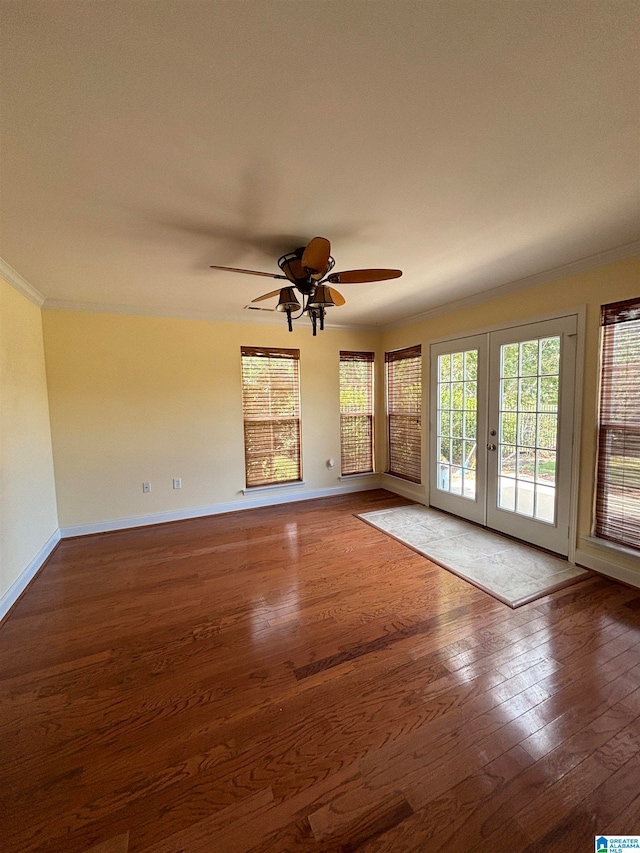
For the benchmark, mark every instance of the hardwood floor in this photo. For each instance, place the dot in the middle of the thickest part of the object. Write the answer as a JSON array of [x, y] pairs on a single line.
[[290, 679]]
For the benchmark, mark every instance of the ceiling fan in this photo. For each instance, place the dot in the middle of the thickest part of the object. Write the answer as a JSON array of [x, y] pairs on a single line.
[[309, 271]]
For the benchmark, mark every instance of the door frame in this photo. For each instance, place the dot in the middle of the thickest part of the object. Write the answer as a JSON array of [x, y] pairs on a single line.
[[580, 313]]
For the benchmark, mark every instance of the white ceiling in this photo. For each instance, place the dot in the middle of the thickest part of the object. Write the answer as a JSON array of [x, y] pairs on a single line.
[[471, 144]]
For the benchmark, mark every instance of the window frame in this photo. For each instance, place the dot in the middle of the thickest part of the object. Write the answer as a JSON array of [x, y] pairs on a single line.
[[617, 426], [269, 426], [412, 470], [349, 462]]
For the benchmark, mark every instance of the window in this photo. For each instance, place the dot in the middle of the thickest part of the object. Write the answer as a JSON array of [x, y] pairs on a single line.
[[618, 475], [404, 412], [271, 406], [356, 412]]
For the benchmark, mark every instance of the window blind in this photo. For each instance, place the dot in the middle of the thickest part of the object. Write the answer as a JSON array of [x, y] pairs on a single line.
[[404, 412], [356, 412], [271, 409], [617, 515]]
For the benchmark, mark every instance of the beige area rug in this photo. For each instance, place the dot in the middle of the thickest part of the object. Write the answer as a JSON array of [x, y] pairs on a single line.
[[509, 571]]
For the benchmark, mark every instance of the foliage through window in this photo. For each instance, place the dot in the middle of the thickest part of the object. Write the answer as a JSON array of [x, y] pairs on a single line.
[[404, 412], [618, 477], [356, 412], [528, 429], [457, 396], [271, 408]]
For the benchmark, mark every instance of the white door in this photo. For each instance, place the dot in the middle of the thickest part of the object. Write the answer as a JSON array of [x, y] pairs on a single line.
[[458, 471], [502, 429]]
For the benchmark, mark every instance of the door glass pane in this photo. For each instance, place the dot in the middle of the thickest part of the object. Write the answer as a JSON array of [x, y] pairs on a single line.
[[528, 433], [507, 493], [470, 425], [545, 503], [509, 360], [508, 427], [471, 364], [529, 358], [549, 394], [508, 460], [443, 477], [457, 397], [509, 395], [457, 366], [524, 498], [550, 355], [546, 467], [457, 419], [456, 480], [528, 394], [547, 431], [444, 366]]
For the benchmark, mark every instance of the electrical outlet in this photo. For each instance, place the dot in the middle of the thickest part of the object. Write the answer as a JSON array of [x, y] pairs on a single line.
[[146, 488], [177, 482]]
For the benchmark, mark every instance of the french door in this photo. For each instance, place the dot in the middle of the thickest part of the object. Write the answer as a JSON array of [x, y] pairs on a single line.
[[501, 436]]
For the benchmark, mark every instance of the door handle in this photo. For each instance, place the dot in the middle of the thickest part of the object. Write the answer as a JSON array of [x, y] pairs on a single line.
[[491, 447]]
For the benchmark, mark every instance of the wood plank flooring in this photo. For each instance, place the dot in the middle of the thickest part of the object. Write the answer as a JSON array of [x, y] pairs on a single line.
[[291, 679]]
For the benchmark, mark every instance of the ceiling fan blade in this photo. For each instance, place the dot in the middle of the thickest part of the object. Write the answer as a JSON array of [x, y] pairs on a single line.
[[248, 272], [267, 295], [362, 276], [338, 298], [315, 257]]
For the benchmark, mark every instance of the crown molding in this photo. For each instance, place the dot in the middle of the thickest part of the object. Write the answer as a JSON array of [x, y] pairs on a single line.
[[609, 256], [140, 311], [271, 317], [20, 284], [260, 317]]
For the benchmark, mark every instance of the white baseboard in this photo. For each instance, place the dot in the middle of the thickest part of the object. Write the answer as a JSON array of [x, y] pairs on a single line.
[[263, 499], [27, 575], [606, 567]]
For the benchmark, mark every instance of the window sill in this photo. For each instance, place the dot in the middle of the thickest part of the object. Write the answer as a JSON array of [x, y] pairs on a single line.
[[357, 476], [401, 479], [250, 490], [611, 547]]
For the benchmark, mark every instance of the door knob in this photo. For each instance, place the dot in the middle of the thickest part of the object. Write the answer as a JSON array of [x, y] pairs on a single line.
[[491, 447]]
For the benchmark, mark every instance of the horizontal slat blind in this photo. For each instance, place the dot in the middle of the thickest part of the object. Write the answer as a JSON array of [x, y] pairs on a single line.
[[618, 482], [404, 412], [271, 408], [356, 412]]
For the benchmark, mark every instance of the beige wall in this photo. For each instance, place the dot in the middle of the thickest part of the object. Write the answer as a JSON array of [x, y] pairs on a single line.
[[28, 515], [137, 399], [590, 289]]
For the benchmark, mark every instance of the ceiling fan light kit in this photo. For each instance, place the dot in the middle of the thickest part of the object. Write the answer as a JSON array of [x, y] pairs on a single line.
[[308, 268], [322, 298], [288, 302]]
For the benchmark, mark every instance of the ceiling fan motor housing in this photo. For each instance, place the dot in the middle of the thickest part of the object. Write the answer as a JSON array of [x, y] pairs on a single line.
[[291, 266]]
